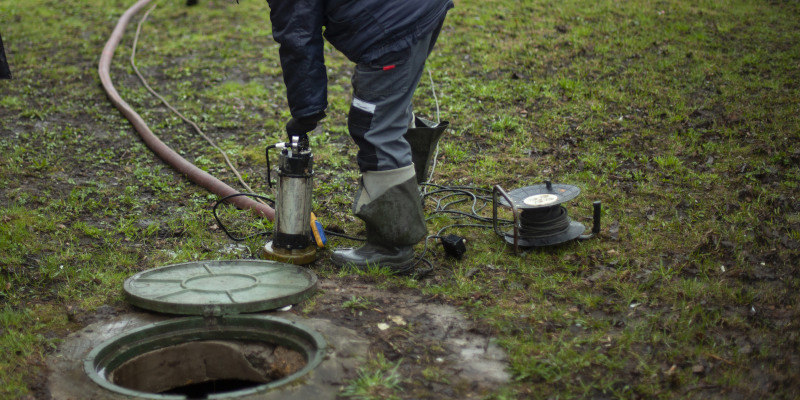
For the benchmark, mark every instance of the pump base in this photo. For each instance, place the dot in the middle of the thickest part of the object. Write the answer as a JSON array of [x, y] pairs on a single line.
[[295, 256]]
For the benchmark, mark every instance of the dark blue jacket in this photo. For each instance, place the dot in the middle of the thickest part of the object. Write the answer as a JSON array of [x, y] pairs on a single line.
[[363, 30]]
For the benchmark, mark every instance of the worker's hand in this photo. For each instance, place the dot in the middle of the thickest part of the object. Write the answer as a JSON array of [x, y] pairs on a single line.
[[301, 126]]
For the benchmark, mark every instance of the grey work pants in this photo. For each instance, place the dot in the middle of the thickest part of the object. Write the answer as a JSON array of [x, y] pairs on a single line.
[[381, 109]]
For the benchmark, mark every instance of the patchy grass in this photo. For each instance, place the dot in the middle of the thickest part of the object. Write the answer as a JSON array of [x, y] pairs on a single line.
[[681, 117], [377, 379]]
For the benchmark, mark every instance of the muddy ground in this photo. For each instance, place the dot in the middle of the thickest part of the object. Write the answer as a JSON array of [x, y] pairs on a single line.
[[86, 204], [440, 353]]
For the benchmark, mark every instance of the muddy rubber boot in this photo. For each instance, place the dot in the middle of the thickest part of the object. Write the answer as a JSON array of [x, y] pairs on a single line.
[[423, 138], [388, 203]]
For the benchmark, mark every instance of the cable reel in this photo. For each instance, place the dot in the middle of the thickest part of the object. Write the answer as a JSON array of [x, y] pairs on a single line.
[[539, 218]]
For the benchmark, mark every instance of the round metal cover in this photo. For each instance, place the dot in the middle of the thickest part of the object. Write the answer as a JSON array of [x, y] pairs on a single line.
[[214, 288], [537, 196]]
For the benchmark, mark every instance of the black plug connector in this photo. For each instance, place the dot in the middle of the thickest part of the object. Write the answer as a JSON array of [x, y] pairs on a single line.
[[454, 246]]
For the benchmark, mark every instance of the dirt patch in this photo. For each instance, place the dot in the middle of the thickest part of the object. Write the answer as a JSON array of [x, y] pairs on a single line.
[[691, 290], [442, 354]]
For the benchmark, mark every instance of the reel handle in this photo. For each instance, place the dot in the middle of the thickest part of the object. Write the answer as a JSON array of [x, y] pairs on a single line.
[[597, 211], [499, 190], [596, 217]]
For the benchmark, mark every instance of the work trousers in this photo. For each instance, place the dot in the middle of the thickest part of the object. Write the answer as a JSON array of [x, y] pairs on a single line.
[[380, 113]]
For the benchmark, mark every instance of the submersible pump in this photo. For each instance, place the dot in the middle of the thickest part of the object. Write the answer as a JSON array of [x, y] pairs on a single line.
[[296, 232]]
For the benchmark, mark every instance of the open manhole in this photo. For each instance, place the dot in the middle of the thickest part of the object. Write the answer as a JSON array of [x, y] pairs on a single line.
[[222, 354], [211, 358]]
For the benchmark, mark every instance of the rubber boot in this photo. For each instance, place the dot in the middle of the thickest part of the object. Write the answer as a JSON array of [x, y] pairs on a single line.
[[423, 138], [388, 203]]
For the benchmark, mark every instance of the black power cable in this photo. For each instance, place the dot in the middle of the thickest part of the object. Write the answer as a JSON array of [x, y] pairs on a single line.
[[543, 222], [264, 233], [222, 226], [449, 197]]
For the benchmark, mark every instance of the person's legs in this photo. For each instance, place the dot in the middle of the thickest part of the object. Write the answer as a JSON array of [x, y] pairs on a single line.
[[5, 72], [381, 110], [388, 198]]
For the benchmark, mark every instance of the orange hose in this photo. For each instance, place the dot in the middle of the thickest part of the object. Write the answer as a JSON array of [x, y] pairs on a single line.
[[169, 156]]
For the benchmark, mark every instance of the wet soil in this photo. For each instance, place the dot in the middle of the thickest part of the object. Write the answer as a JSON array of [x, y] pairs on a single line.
[[439, 352], [442, 353]]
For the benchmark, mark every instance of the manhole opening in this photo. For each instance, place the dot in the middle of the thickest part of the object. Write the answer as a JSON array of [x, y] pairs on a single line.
[[222, 357], [202, 368]]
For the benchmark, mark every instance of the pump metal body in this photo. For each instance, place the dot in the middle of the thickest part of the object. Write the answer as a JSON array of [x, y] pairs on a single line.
[[292, 239]]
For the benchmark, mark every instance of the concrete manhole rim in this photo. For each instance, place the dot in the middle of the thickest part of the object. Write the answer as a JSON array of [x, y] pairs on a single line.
[[112, 353]]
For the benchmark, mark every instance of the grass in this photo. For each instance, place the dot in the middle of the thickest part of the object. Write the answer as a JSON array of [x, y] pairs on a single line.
[[681, 117], [377, 379], [358, 303]]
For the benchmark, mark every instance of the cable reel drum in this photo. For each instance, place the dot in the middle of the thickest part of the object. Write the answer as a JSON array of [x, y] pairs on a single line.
[[539, 218]]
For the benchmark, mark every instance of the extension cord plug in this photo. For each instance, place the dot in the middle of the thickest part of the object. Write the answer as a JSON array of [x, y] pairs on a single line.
[[454, 246]]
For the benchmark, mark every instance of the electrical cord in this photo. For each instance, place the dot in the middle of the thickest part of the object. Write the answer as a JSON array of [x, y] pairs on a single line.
[[222, 226], [342, 235], [438, 121], [269, 168], [543, 222], [479, 203], [264, 233], [442, 206]]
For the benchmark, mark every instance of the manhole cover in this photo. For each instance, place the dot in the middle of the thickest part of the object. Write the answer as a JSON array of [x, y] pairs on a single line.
[[214, 288]]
